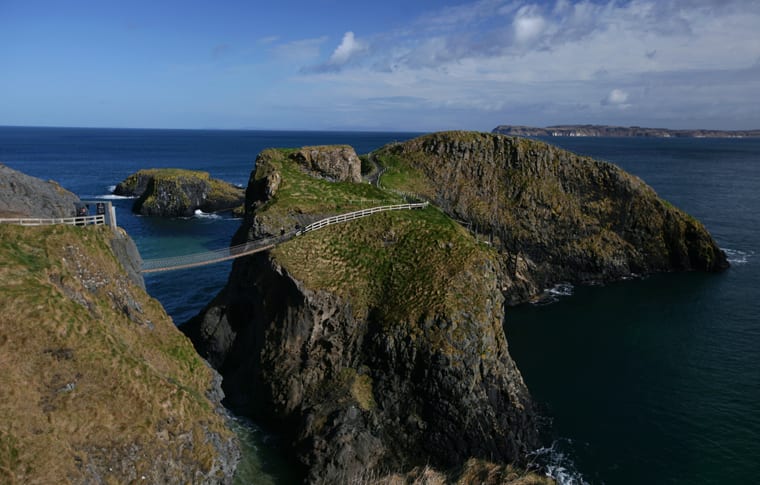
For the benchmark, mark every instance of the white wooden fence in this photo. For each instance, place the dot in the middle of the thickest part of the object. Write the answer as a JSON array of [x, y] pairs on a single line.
[[72, 221]]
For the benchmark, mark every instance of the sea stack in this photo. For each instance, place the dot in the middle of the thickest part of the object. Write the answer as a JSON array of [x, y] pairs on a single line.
[[377, 346]]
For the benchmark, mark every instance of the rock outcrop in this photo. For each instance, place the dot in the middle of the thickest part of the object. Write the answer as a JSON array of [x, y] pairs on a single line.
[[554, 216], [97, 384], [374, 346], [377, 346], [338, 163], [25, 196], [173, 192]]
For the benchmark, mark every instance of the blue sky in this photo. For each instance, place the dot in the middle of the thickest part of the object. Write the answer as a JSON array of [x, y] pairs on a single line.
[[392, 65]]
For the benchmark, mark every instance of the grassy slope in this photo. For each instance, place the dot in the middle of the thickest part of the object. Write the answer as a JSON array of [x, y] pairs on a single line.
[[405, 266], [534, 191], [406, 263], [80, 380]]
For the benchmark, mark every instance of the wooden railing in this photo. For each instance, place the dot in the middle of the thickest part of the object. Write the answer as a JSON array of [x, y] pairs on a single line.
[[253, 247], [357, 214], [72, 221]]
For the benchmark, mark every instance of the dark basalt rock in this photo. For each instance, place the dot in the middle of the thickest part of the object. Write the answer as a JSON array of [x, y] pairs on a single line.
[[353, 393], [359, 384], [179, 193], [555, 216]]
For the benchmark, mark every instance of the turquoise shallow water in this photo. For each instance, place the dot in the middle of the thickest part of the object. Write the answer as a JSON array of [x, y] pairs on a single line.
[[646, 381]]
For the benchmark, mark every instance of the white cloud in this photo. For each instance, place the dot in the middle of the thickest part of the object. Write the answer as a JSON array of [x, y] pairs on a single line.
[[551, 60], [528, 25], [348, 48], [616, 97]]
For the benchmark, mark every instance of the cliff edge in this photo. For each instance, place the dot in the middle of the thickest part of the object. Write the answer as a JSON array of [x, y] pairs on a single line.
[[97, 383], [374, 346], [552, 215]]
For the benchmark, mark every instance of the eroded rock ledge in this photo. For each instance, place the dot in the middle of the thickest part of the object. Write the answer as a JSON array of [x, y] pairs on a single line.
[[377, 347], [172, 192]]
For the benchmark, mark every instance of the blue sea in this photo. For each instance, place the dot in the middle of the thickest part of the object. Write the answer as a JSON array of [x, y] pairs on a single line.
[[653, 380]]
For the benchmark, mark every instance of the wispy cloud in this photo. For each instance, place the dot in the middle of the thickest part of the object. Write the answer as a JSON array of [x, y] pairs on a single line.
[[560, 59], [349, 49]]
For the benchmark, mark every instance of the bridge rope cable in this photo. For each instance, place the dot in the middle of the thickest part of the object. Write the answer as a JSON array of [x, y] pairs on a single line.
[[252, 247]]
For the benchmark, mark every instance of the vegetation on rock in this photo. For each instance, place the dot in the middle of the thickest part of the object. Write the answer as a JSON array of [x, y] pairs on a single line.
[[98, 385], [377, 345], [553, 215], [373, 343], [175, 192]]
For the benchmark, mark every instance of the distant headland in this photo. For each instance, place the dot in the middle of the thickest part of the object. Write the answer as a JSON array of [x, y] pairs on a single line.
[[620, 131]]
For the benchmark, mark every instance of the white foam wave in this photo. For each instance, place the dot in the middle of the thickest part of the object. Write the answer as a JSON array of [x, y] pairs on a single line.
[[111, 188], [205, 215], [553, 294], [558, 464], [114, 197], [561, 289], [736, 256]]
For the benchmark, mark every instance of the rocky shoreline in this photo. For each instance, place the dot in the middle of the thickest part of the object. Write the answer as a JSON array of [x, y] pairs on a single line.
[[375, 349], [173, 192], [620, 131], [379, 347]]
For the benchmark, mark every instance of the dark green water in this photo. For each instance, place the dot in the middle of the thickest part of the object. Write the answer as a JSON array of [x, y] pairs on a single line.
[[658, 380]]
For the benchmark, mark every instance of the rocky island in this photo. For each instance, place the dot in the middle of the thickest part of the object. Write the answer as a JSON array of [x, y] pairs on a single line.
[[97, 383], [377, 347], [620, 131], [174, 192]]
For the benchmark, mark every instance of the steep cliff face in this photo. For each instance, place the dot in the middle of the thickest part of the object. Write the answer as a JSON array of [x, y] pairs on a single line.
[[174, 192], [553, 215], [373, 346], [97, 384]]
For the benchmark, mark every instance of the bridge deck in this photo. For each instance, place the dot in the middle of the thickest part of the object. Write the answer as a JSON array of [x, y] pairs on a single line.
[[252, 247]]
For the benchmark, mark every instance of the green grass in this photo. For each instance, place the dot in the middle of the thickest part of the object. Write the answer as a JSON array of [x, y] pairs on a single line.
[[300, 193], [62, 320]]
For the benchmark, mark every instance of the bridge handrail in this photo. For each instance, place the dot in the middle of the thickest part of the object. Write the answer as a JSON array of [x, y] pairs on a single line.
[[38, 221], [251, 247], [349, 216]]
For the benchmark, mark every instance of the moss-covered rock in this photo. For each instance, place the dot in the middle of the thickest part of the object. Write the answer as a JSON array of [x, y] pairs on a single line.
[[172, 192], [377, 346], [97, 384], [374, 345], [553, 215]]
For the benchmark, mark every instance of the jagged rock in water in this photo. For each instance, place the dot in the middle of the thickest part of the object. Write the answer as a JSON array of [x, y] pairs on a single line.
[[378, 345], [171, 192], [553, 215], [25, 196], [372, 346]]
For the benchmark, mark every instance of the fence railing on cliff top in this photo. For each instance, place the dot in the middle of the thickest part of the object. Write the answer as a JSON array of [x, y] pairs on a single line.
[[252, 247], [38, 221], [108, 216]]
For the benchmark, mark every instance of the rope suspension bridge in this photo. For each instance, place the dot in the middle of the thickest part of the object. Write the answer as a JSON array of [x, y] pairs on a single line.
[[253, 247]]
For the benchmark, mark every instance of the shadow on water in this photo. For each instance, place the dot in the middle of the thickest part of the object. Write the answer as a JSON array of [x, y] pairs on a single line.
[[262, 462]]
